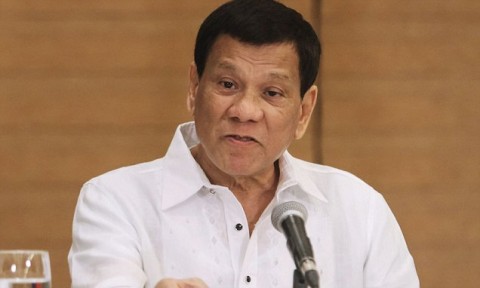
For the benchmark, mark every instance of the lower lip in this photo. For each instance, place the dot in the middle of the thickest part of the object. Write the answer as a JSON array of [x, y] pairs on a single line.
[[240, 142]]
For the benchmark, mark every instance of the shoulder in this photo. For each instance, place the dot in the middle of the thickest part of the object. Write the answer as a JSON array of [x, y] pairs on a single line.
[[338, 186], [128, 173], [327, 176], [126, 184]]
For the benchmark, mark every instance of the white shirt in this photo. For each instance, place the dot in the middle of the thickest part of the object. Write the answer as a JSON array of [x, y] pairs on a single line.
[[136, 225]]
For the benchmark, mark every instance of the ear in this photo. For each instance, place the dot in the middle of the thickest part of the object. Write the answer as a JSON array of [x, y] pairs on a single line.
[[306, 109], [192, 87]]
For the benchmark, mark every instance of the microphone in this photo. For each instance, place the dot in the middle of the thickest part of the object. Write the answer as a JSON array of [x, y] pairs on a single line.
[[289, 218]]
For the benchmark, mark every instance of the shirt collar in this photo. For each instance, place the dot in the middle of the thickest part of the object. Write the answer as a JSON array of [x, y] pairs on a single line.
[[294, 177], [184, 177]]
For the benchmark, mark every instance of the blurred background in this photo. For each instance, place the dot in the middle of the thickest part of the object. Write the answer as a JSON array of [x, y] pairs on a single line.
[[88, 86]]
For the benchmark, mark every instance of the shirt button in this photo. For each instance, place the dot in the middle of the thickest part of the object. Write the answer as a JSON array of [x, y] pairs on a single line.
[[248, 279], [239, 226]]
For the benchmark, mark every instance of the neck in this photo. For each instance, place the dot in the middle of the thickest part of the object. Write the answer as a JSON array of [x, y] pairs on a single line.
[[254, 192], [262, 181]]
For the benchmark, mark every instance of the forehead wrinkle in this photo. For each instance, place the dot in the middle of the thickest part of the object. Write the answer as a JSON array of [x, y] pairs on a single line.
[[227, 66], [275, 75], [278, 76]]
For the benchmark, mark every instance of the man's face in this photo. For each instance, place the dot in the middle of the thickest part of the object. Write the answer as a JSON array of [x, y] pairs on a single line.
[[247, 105]]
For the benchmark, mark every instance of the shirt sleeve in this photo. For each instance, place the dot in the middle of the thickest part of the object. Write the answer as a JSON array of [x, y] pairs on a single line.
[[389, 263], [105, 247]]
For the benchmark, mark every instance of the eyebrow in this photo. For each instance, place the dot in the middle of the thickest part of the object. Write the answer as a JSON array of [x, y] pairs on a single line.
[[273, 75], [278, 75], [227, 66]]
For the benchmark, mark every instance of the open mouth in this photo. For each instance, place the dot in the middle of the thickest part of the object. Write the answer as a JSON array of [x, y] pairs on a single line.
[[242, 138]]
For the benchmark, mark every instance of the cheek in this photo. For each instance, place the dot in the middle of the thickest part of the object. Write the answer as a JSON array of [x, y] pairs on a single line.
[[204, 113], [287, 118], [202, 105], [285, 127], [209, 106], [282, 132]]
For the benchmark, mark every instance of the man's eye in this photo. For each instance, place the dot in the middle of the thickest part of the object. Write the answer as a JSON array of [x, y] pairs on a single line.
[[227, 84], [272, 93]]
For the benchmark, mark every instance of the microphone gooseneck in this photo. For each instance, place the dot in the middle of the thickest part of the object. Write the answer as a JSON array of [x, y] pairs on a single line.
[[289, 218]]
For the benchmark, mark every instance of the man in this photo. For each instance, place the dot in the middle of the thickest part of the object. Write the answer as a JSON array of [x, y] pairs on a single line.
[[200, 216]]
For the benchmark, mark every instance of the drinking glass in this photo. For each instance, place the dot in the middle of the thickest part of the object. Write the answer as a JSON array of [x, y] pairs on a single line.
[[24, 269]]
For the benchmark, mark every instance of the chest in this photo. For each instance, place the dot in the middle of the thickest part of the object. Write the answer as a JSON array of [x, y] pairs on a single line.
[[212, 241]]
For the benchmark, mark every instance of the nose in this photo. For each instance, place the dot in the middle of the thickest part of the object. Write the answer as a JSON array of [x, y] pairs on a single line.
[[246, 107]]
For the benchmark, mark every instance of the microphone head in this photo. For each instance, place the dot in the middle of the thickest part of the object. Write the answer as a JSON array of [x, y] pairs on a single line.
[[282, 211]]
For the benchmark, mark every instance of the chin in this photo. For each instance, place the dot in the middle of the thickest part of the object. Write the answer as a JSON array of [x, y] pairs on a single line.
[[238, 171], [243, 170]]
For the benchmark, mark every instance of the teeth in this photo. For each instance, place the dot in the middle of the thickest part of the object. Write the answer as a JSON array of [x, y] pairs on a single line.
[[246, 138]]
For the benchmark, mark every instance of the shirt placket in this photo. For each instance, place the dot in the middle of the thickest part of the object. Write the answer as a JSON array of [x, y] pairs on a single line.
[[238, 236]]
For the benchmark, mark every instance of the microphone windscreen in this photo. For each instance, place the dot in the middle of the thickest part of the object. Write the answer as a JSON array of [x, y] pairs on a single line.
[[281, 211]]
